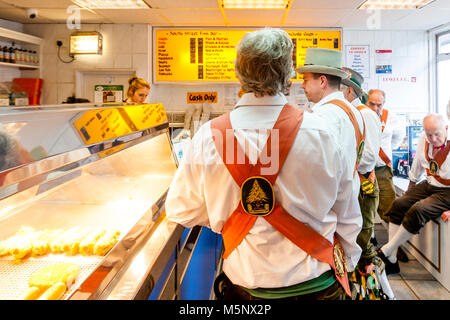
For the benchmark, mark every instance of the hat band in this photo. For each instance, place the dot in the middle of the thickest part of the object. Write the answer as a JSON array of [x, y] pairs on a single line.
[[359, 84]]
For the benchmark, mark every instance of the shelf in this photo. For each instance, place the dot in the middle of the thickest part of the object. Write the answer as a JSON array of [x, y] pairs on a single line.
[[18, 65], [19, 36]]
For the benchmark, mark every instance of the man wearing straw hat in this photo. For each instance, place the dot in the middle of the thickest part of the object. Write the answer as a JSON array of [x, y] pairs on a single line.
[[322, 76], [368, 194]]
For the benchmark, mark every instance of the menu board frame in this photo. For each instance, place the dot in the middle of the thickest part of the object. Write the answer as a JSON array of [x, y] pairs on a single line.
[[199, 29]]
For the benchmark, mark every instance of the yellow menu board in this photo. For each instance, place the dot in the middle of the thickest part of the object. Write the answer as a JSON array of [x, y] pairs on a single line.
[[197, 55], [95, 126]]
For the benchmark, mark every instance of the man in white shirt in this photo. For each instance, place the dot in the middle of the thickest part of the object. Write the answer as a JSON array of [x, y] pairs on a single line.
[[368, 194], [425, 200], [393, 132], [313, 186]]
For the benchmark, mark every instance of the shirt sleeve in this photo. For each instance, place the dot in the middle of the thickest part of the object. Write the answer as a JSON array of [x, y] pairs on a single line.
[[372, 141], [185, 202], [347, 209]]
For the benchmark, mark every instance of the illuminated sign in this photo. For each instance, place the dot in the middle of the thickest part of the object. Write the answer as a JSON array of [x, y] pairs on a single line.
[[197, 55]]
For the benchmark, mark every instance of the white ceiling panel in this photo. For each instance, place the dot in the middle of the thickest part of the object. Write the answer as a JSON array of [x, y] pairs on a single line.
[[373, 20], [315, 18], [38, 4], [163, 4], [5, 5], [303, 13], [193, 17], [438, 4], [428, 19], [254, 17], [150, 16], [326, 4]]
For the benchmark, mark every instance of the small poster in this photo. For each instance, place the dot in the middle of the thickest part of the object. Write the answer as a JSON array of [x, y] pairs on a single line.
[[383, 61], [358, 59], [108, 94], [200, 97]]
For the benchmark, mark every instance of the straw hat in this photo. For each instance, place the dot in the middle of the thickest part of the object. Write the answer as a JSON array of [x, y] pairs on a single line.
[[323, 61], [355, 81]]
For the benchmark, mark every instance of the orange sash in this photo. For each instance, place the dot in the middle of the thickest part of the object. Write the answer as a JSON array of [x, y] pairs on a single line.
[[241, 220], [435, 164], [382, 154], [359, 138]]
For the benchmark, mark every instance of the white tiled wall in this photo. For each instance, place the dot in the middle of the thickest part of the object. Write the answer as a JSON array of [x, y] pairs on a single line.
[[129, 47], [409, 59], [125, 46]]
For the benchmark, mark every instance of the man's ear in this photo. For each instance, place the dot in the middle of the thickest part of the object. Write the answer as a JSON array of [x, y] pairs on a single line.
[[323, 81]]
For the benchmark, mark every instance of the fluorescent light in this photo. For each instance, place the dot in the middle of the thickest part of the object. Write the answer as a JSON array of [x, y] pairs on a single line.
[[111, 4], [86, 43], [394, 4], [255, 4]]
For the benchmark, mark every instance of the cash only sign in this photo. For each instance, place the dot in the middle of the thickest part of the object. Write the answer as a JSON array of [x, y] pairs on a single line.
[[208, 55]]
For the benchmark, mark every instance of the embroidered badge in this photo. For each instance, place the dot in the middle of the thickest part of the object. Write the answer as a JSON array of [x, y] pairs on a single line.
[[257, 197], [339, 260], [367, 186], [434, 168]]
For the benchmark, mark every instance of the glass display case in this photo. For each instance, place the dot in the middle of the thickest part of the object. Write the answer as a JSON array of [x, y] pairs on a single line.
[[73, 170]]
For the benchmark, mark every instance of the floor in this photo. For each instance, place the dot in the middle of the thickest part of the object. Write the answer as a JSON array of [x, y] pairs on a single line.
[[413, 282]]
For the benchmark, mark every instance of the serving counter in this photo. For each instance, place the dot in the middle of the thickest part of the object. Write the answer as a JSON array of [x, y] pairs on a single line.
[[83, 168]]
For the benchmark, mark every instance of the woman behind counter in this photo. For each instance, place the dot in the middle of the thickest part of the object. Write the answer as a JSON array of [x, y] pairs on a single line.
[[138, 90]]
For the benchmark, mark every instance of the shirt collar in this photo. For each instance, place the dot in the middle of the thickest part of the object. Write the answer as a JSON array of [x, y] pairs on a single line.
[[335, 95], [249, 99], [357, 102]]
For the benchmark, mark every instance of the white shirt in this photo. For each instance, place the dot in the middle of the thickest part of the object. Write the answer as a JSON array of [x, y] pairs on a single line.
[[373, 138], [314, 186], [392, 136], [340, 124], [420, 163]]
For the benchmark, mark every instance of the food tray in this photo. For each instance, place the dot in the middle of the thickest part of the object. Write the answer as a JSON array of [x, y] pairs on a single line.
[[14, 276]]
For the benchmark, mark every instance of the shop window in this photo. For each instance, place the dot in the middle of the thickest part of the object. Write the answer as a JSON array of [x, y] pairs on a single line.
[[443, 72]]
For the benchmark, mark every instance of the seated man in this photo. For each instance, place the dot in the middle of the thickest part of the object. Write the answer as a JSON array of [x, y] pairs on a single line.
[[425, 200]]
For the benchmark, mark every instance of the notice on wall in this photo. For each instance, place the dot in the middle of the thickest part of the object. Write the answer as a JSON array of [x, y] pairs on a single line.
[[200, 97], [358, 59], [383, 61], [197, 55]]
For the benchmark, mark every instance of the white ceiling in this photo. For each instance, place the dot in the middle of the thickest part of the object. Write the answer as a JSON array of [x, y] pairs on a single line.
[[302, 13]]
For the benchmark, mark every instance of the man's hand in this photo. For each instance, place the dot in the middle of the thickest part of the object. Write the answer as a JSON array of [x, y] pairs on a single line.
[[446, 215]]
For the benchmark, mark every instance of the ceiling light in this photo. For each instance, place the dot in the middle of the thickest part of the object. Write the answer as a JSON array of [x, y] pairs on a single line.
[[255, 4], [111, 4], [394, 4], [86, 43]]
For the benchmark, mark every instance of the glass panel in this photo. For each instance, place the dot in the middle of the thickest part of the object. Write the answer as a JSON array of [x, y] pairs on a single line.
[[31, 134], [443, 84], [444, 43]]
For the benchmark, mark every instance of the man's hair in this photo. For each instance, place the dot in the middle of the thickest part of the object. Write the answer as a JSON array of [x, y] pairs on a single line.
[[377, 90], [436, 117], [333, 81], [9, 155], [264, 62]]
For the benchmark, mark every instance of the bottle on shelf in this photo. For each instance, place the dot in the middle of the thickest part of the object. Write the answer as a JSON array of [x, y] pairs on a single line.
[[16, 55], [12, 58], [5, 54], [1, 55]]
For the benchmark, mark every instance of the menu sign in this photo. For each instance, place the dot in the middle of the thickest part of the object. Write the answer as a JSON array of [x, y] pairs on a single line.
[[195, 55]]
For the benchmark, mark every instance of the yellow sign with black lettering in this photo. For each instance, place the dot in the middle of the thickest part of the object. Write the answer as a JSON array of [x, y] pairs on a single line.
[[200, 55], [200, 97], [99, 125]]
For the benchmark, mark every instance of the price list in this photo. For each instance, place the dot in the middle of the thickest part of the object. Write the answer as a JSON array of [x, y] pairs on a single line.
[[188, 55]]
